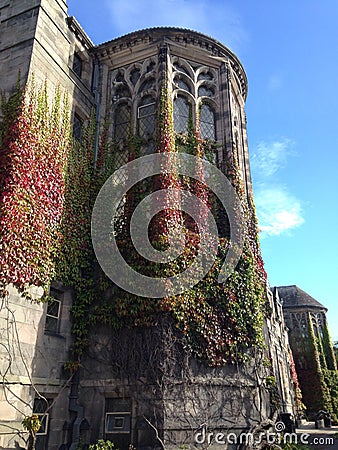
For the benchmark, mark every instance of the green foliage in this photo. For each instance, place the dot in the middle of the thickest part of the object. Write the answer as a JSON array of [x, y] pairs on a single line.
[[328, 350], [32, 423], [101, 444], [289, 446], [271, 387], [331, 382]]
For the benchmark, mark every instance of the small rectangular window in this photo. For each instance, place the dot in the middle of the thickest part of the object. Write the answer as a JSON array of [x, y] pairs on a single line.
[[146, 110], [41, 408], [118, 416], [53, 313], [77, 65], [118, 422]]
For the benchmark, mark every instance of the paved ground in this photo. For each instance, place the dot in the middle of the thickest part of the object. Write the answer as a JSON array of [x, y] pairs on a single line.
[[324, 439]]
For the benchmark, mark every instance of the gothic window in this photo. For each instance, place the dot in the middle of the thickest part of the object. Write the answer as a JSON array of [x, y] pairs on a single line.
[[134, 76], [205, 76], [77, 65], [53, 313], [77, 128], [119, 77], [180, 69], [122, 122], [205, 91], [146, 117], [121, 91], [147, 84], [303, 324], [207, 122], [181, 84], [181, 114], [150, 67]]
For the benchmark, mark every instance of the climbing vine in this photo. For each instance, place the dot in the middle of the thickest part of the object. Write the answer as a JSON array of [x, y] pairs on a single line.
[[49, 187], [34, 148]]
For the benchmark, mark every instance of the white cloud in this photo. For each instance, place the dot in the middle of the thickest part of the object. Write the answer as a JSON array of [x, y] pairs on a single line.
[[269, 157], [220, 21], [278, 211]]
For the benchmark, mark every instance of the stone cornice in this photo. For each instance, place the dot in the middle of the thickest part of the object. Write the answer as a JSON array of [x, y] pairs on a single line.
[[181, 36], [76, 28]]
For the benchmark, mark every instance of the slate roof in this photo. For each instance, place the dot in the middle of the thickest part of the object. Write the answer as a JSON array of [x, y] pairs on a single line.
[[294, 297]]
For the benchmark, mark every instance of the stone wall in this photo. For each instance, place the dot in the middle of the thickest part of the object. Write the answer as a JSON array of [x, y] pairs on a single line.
[[38, 39], [32, 360]]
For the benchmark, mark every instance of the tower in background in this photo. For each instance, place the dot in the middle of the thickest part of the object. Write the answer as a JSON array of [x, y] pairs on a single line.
[[312, 348]]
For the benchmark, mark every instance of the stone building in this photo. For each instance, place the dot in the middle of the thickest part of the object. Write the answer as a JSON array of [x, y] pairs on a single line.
[[311, 346], [130, 388]]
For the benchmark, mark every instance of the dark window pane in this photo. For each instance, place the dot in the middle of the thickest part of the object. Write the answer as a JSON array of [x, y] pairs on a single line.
[[134, 76], [181, 114], [150, 66], [204, 91], [180, 69], [53, 316], [146, 116], [39, 408], [122, 122], [205, 76], [77, 65], [119, 77], [147, 84], [77, 128], [207, 122], [53, 311], [122, 91], [182, 85]]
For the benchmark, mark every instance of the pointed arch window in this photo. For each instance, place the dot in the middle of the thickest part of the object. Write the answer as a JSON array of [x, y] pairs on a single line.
[[207, 122], [181, 114], [205, 91]]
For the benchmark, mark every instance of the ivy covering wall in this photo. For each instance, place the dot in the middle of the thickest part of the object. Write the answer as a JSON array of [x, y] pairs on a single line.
[[318, 373], [48, 187]]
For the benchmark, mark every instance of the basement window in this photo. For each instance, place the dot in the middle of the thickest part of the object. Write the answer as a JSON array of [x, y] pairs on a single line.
[[118, 416]]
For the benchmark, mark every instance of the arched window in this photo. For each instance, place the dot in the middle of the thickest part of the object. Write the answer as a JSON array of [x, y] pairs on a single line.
[[122, 122], [205, 91], [147, 84], [181, 69], [122, 91], [134, 75], [182, 84], [207, 122], [205, 76], [181, 114]]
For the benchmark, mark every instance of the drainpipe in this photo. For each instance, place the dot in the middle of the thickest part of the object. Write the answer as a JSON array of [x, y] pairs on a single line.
[[75, 408], [95, 85]]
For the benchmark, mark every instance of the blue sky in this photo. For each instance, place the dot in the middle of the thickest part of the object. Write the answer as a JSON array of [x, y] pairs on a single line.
[[289, 50]]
